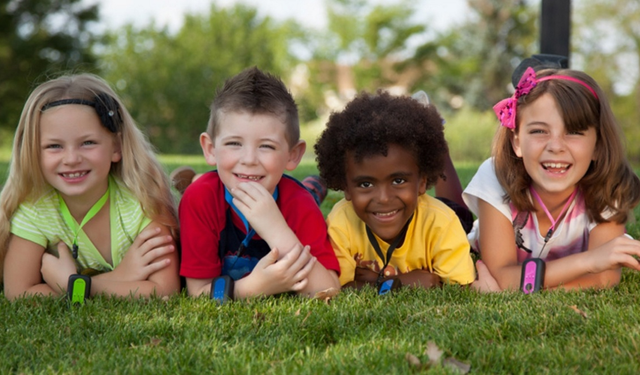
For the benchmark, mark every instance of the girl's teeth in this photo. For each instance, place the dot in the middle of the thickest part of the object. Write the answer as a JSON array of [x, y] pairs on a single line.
[[386, 213], [555, 165], [73, 175]]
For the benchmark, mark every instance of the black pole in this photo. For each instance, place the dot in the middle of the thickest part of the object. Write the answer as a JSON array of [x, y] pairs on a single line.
[[555, 27]]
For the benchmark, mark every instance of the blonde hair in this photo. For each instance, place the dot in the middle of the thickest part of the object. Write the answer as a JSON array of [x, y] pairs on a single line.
[[138, 169], [610, 182]]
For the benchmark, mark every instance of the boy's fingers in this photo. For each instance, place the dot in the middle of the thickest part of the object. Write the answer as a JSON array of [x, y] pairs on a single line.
[[271, 257], [300, 285], [306, 270]]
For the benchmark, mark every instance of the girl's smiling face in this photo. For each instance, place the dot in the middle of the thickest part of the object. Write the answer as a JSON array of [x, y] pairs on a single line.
[[384, 190], [555, 159], [76, 152]]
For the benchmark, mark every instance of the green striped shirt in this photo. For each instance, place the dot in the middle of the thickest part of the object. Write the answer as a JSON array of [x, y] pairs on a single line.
[[41, 222]]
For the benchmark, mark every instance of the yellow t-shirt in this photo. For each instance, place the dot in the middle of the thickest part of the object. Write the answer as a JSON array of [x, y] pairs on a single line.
[[435, 241]]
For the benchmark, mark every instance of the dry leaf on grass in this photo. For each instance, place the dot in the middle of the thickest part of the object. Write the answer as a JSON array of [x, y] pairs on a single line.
[[577, 310], [433, 352], [327, 294], [413, 360], [154, 342]]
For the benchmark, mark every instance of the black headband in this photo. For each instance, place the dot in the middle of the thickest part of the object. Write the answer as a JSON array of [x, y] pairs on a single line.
[[105, 105]]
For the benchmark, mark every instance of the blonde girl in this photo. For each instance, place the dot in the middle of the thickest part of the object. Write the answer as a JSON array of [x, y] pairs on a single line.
[[85, 194], [558, 187]]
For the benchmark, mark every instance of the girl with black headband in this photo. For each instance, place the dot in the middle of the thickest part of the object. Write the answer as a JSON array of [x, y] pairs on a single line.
[[85, 198], [558, 189]]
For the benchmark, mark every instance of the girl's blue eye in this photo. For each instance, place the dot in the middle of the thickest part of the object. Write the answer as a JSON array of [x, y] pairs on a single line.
[[53, 146]]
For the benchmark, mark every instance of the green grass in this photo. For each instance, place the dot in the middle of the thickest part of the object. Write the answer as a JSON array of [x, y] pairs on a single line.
[[356, 332]]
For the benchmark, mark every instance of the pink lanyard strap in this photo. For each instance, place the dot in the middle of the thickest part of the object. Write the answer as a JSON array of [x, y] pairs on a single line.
[[546, 211]]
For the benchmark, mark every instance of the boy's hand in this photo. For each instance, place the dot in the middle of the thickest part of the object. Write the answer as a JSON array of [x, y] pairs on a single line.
[[259, 208], [138, 262], [56, 270], [420, 279], [272, 276], [365, 275]]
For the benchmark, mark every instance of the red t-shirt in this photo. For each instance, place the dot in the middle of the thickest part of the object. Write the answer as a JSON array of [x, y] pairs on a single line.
[[203, 217]]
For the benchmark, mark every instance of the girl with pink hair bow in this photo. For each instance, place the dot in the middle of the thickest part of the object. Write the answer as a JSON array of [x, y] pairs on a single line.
[[558, 187]]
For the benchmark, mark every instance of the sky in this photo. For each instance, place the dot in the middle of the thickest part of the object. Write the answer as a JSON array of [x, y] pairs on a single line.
[[115, 13]]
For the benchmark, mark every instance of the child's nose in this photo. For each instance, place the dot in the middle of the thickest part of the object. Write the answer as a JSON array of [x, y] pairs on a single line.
[[384, 194], [71, 156], [249, 157], [556, 143]]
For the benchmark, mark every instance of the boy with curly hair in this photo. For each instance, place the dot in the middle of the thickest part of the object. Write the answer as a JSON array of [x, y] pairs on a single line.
[[384, 152], [247, 221]]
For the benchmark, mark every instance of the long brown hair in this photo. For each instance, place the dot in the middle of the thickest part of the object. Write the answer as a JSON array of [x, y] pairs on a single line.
[[610, 182]]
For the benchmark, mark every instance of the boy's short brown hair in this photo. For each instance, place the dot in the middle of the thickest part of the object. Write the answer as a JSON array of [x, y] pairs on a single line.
[[256, 92]]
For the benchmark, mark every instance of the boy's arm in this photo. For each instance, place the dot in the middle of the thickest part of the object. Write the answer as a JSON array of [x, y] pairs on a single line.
[[262, 212], [270, 276], [264, 216]]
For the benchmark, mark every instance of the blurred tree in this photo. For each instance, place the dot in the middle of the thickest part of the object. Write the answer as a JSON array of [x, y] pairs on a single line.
[[40, 38], [360, 49], [168, 81], [607, 46], [472, 63]]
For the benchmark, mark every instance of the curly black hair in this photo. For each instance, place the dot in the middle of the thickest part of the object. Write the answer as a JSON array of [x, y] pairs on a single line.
[[369, 124]]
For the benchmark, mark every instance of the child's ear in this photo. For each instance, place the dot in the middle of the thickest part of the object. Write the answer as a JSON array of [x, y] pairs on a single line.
[[295, 155], [117, 148], [347, 194], [515, 144], [207, 149], [422, 188]]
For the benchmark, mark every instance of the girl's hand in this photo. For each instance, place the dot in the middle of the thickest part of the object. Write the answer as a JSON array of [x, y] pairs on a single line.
[[56, 270], [138, 263], [272, 276], [486, 282], [621, 251], [259, 208]]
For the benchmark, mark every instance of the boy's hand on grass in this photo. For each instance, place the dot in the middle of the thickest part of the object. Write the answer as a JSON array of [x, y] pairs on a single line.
[[56, 270], [272, 276], [365, 275], [139, 262], [420, 279], [259, 208]]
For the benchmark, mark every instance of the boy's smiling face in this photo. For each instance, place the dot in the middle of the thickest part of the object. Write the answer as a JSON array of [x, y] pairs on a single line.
[[384, 190], [251, 148]]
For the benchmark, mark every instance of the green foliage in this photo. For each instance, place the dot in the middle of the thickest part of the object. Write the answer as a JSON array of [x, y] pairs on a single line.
[[356, 332], [474, 61], [608, 48], [470, 134], [40, 38], [168, 81]]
